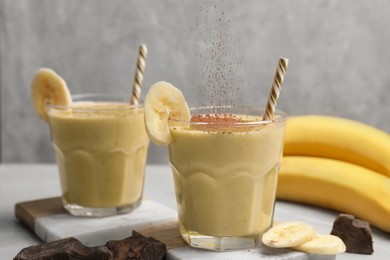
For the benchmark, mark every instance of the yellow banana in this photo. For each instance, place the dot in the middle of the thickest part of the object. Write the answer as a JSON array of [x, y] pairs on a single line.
[[336, 185], [338, 138]]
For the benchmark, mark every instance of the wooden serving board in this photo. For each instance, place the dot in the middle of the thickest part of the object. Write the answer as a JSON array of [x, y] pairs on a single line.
[[27, 212], [49, 221]]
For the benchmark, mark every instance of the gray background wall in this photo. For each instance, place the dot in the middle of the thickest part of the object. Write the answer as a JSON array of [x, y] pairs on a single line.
[[338, 50]]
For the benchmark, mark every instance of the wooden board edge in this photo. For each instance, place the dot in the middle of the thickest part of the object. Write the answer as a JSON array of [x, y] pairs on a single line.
[[167, 233], [28, 211]]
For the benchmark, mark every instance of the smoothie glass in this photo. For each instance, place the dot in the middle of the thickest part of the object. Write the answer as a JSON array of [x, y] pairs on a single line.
[[225, 175], [101, 147]]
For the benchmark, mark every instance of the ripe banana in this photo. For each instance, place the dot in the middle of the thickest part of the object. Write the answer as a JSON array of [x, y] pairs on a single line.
[[338, 138], [164, 102], [336, 185], [48, 88]]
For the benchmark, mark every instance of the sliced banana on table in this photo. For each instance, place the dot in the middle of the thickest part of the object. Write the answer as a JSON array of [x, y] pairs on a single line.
[[323, 244], [302, 237], [48, 88], [162, 102], [288, 234]]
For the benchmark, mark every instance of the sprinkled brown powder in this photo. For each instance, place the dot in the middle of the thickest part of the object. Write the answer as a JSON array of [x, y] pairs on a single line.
[[222, 123], [220, 62], [216, 118]]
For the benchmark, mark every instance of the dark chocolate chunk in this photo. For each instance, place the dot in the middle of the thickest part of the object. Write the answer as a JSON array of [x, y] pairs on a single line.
[[64, 249], [355, 233], [132, 248], [137, 248]]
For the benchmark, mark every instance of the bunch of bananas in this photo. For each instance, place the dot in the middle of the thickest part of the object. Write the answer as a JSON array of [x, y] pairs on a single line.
[[338, 164]]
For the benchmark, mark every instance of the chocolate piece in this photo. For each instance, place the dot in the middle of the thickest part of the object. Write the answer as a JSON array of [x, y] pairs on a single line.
[[64, 249], [355, 233], [137, 247]]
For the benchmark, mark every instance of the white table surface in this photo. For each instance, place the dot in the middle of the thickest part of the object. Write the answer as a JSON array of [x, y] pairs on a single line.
[[23, 182]]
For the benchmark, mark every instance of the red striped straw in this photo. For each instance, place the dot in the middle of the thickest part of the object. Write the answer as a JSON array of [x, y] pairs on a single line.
[[275, 89], [139, 74]]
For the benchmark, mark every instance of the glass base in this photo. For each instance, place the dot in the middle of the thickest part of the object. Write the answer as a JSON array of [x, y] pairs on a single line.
[[77, 210], [197, 240]]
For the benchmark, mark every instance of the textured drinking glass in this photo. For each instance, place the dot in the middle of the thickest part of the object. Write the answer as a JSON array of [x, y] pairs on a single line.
[[101, 147], [225, 176]]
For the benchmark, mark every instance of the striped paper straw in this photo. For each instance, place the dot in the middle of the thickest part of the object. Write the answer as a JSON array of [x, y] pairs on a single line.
[[139, 74], [275, 89]]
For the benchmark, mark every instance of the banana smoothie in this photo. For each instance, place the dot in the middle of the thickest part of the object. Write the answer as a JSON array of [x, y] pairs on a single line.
[[225, 169], [101, 150], [225, 162]]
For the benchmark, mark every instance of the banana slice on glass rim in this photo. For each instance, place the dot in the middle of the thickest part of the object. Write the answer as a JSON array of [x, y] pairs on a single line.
[[48, 88], [162, 102]]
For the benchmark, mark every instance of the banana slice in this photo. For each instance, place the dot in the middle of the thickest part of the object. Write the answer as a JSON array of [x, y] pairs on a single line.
[[288, 234], [323, 244], [48, 88], [162, 102]]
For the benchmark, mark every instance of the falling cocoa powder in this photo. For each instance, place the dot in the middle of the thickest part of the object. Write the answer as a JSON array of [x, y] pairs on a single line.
[[220, 63]]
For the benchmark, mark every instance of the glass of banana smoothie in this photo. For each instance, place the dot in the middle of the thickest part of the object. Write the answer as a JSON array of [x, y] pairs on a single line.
[[225, 163], [101, 147]]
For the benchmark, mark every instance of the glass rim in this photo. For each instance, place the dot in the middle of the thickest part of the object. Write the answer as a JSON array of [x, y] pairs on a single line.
[[122, 98], [280, 116]]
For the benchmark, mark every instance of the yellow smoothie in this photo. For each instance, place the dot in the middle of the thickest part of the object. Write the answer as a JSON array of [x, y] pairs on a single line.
[[225, 174], [101, 150]]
